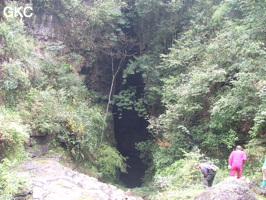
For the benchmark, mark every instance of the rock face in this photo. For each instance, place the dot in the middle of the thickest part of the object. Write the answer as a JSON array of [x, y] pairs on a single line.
[[52, 181], [41, 145], [231, 189]]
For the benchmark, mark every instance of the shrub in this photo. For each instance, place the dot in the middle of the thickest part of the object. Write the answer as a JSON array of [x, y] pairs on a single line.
[[181, 173], [14, 43], [13, 134], [68, 117], [110, 162], [181, 180], [256, 152], [10, 182]]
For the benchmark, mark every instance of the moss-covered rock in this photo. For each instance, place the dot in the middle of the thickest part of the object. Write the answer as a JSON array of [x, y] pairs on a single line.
[[231, 188]]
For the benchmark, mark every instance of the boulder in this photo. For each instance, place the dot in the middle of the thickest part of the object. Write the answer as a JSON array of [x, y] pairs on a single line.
[[52, 181], [231, 188]]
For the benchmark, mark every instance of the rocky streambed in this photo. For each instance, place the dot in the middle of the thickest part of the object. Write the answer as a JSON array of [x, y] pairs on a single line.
[[52, 181]]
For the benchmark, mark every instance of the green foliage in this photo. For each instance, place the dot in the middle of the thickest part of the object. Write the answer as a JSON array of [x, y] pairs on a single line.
[[18, 64], [60, 107], [156, 23], [10, 182], [181, 173], [50, 96], [212, 83], [256, 152], [13, 134], [171, 147], [207, 90], [260, 117], [13, 41], [65, 116], [17, 79], [103, 12], [83, 128], [110, 163], [127, 99], [145, 66], [59, 75], [181, 180], [41, 5], [42, 111]]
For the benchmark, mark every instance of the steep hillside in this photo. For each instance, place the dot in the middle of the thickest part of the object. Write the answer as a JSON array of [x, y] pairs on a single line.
[[136, 91]]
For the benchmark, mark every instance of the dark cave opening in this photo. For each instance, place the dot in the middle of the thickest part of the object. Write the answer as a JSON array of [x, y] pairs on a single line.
[[130, 129]]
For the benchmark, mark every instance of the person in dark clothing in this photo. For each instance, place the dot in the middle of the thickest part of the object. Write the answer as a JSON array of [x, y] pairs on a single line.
[[208, 170]]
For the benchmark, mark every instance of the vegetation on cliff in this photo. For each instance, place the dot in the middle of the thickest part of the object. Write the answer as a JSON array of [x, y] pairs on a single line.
[[202, 62]]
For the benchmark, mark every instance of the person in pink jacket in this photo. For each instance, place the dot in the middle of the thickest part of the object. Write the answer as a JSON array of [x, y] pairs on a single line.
[[235, 161]]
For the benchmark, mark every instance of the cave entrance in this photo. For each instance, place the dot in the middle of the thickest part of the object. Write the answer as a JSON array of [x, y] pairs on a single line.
[[130, 129]]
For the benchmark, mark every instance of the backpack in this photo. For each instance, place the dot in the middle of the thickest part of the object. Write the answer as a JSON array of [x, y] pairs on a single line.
[[214, 167]]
